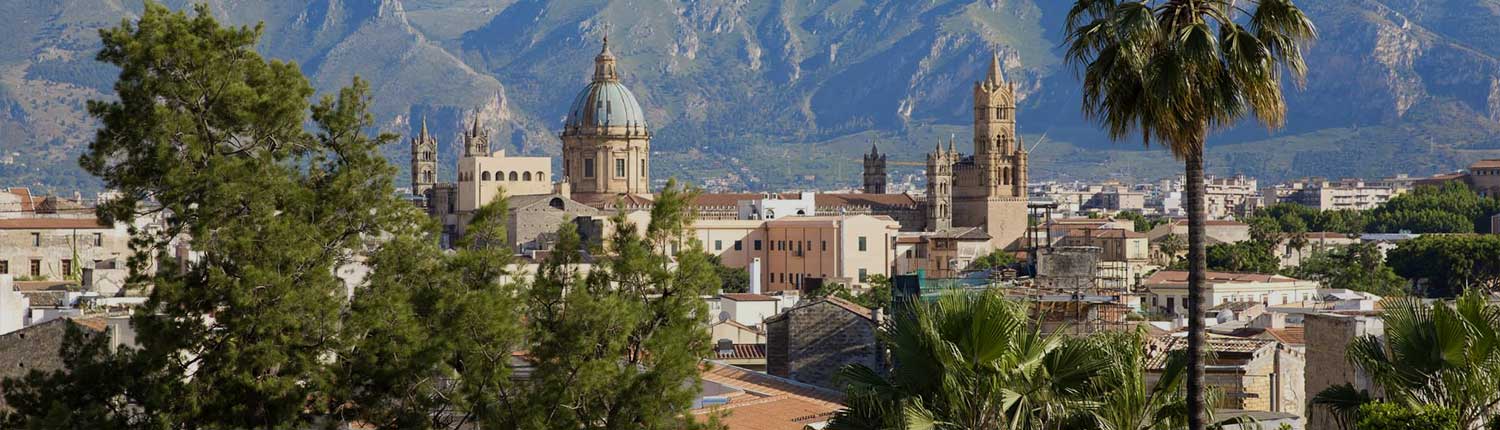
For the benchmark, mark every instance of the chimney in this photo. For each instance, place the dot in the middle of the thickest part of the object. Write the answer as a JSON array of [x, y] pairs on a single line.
[[755, 276], [724, 348]]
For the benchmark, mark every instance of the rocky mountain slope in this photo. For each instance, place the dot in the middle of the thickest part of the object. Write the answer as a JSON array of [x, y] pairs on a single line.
[[784, 93]]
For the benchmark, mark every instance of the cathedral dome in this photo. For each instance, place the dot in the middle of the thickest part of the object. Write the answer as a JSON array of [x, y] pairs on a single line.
[[605, 102]]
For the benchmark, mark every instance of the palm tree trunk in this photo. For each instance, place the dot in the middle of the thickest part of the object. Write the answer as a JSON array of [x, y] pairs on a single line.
[[1197, 272]]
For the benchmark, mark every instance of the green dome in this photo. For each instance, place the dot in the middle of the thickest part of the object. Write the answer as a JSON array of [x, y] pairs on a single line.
[[605, 104]]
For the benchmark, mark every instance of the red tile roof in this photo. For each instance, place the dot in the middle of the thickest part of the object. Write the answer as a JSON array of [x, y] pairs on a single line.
[[1179, 277], [747, 297], [767, 402], [743, 351], [1492, 163], [51, 223], [25, 195], [1225, 347], [861, 199]]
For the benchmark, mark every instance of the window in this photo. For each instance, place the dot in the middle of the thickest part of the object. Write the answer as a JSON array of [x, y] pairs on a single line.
[[4, 267], [36, 239], [484, 176], [643, 167], [514, 177], [588, 167], [718, 245], [1172, 304], [36, 267], [67, 267], [809, 245], [825, 246], [98, 239], [619, 167], [739, 245], [526, 176], [863, 276], [757, 244], [540, 176], [862, 245]]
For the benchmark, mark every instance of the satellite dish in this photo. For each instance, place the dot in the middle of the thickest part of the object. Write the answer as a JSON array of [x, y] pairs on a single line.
[[723, 316]]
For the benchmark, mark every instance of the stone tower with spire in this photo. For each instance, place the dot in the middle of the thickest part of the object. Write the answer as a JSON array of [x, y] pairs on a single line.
[[989, 188], [606, 141], [423, 163], [874, 171], [939, 206], [476, 141]]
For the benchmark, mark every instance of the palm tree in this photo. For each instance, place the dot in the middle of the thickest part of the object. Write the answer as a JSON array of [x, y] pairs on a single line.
[[1170, 245], [1126, 401], [1432, 354], [972, 362], [1174, 70]]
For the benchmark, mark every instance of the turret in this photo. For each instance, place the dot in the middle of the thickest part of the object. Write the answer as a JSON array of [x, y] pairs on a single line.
[[423, 162], [875, 176], [476, 141]]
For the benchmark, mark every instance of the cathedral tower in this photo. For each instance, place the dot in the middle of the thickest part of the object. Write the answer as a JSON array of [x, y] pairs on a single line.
[[940, 187], [990, 187], [874, 172], [476, 141], [423, 163], [606, 142]]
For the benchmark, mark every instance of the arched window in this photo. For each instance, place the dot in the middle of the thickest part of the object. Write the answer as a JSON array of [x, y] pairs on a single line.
[[526, 176], [540, 176], [513, 176], [485, 176], [499, 175], [556, 203]]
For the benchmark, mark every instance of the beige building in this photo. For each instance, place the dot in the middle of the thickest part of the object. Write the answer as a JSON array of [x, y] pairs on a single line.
[[1251, 374], [1231, 197], [1217, 231], [792, 250], [59, 248], [944, 254], [482, 178], [1334, 195], [1168, 290]]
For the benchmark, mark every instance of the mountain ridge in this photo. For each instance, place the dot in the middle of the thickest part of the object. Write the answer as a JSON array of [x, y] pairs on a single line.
[[733, 87]]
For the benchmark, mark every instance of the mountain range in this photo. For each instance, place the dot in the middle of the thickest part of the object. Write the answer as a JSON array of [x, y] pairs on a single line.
[[778, 94]]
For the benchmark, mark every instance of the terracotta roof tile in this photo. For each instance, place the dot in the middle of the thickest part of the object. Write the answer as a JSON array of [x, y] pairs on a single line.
[[51, 223], [747, 297], [1178, 277], [1486, 164], [861, 199], [743, 351], [767, 402]]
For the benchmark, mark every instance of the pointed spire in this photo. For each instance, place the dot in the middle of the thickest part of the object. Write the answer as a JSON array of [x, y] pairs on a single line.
[[952, 145], [996, 75], [424, 127], [873, 150], [476, 122]]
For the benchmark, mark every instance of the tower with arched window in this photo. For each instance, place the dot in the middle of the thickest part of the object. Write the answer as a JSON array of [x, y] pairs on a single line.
[[423, 163]]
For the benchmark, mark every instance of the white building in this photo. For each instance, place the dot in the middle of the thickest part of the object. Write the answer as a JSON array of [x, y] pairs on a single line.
[[771, 206], [1168, 290]]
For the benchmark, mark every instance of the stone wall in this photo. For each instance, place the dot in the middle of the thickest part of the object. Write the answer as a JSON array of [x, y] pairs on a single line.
[[811, 343], [1328, 336]]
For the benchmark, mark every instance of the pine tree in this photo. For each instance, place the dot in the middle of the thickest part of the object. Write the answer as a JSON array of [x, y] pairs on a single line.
[[211, 137]]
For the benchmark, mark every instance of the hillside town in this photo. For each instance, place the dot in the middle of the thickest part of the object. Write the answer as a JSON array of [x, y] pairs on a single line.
[[810, 310]]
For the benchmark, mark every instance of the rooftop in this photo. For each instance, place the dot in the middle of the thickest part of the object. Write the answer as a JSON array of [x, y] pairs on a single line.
[[756, 401], [1181, 277], [748, 297], [51, 223]]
